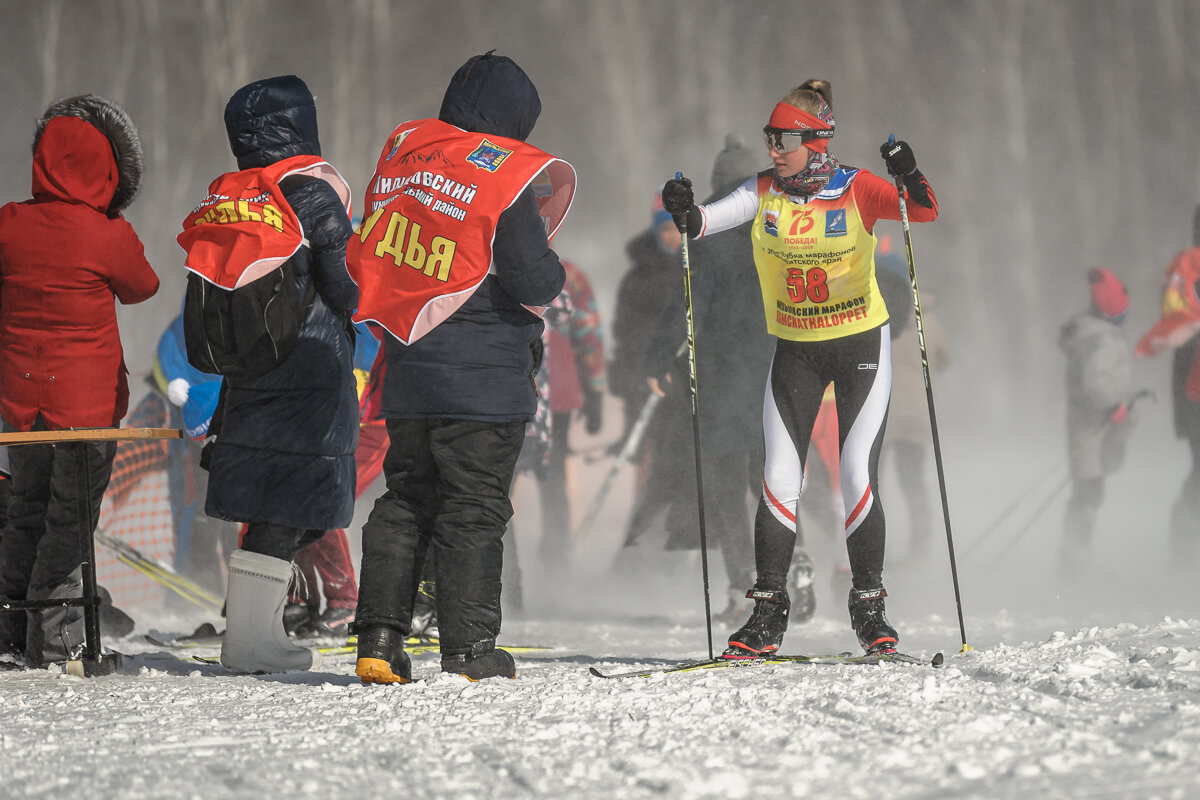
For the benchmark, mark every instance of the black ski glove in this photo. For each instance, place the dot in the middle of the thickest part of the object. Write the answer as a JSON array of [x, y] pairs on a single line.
[[677, 196], [899, 158], [678, 199]]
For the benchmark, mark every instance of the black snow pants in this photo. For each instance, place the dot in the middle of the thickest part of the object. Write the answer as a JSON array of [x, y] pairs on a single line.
[[39, 546], [447, 489]]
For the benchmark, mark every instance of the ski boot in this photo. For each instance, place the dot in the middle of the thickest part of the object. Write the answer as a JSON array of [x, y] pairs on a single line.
[[381, 656], [296, 617], [483, 660], [334, 622], [870, 623], [804, 595], [763, 632]]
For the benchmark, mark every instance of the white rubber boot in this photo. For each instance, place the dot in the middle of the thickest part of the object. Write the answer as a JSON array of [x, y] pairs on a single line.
[[254, 637]]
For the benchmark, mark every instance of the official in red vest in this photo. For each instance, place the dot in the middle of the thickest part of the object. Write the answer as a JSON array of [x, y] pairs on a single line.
[[65, 256], [462, 351], [283, 460]]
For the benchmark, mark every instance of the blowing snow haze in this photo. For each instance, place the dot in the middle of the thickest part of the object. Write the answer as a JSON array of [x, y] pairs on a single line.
[[1058, 136]]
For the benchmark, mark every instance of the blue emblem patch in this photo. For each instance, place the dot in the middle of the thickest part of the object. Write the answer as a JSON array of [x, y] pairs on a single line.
[[488, 156], [771, 222], [835, 222]]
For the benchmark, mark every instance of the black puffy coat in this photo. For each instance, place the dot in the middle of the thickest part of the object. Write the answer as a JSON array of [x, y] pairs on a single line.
[[285, 449], [480, 362], [644, 303]]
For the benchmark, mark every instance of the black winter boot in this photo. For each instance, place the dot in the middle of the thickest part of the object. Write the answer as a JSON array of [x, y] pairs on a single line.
[[483, 661], [870, 623], [763, 632], [381, 656]]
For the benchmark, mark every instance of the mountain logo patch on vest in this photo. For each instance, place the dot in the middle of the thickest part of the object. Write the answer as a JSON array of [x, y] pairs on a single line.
[[488, 156], [835, 222], [771, 222], [399, 140]]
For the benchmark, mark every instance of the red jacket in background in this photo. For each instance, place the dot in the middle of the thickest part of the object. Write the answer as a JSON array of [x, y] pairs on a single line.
[[62, 261]]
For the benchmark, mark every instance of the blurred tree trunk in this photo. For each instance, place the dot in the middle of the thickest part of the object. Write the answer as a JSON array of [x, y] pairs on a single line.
[[51, 20]]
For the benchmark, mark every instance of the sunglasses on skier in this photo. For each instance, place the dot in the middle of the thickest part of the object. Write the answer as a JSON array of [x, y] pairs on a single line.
[[785, 141]]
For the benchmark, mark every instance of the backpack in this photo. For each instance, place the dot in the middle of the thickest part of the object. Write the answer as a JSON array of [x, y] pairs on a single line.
[[242, 312]]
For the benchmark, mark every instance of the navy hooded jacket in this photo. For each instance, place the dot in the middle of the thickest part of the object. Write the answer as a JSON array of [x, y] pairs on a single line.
[[286, 440], [479, 364]]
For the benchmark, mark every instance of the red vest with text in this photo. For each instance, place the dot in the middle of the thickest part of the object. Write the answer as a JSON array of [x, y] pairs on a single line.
[[430, 214], [244, 228]]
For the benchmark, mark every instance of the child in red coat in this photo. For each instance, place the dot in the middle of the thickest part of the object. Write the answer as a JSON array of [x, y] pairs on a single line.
[[65, 255]]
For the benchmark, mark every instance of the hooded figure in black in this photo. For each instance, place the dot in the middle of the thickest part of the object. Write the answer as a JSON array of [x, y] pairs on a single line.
[[456, 402], [283, 460], [733, 351]]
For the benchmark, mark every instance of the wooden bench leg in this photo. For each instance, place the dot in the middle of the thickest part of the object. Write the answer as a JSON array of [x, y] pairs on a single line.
[[93, 661]]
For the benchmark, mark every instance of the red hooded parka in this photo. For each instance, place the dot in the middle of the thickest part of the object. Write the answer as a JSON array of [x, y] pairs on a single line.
[[62, 261]]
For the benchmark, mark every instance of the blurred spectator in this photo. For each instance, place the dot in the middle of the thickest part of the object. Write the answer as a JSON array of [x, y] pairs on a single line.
[[646, 297], [202, 543], [577, 377], [733, 352], [1099, 419]]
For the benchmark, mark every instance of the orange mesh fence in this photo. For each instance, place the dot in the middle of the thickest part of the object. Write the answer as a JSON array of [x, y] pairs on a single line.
[[143, 520], [137, 509]]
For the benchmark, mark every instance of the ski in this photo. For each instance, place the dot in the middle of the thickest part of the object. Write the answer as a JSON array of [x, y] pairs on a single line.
[[734, 663], [210, 642], [159, 572]]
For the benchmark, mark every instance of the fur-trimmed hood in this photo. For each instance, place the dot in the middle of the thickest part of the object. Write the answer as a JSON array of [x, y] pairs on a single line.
[[111, 120]]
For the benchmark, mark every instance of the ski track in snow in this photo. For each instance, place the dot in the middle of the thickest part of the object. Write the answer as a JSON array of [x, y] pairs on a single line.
[[1097, 712]]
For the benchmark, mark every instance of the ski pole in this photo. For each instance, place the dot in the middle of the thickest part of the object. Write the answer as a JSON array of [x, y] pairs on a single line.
[[633, 440], [1021, 498], [628, 449], [691, 346], [1088, 440], [1028, 526], [937, 446]]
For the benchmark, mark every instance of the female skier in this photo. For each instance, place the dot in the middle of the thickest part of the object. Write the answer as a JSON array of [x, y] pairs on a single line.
[[814, 248]]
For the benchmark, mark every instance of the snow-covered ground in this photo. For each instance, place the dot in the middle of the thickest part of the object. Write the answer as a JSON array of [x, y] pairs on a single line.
[[1105, 711], [1080, 685]]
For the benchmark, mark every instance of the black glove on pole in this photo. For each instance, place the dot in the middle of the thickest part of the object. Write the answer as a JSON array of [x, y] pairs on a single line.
[[898, 156], [680, 202], [681, 198], [900, 162]]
